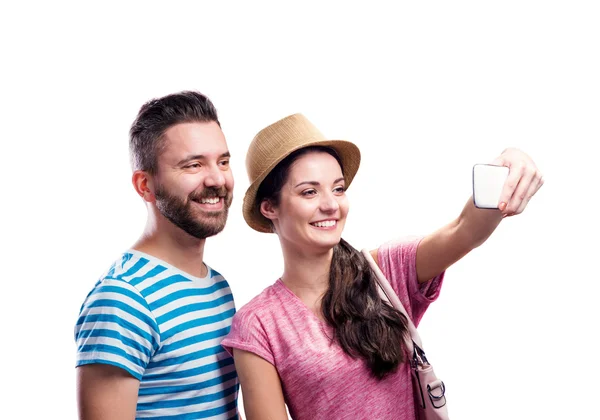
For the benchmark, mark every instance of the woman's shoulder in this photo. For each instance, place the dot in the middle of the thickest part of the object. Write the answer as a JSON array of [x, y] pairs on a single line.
[[265, 303]]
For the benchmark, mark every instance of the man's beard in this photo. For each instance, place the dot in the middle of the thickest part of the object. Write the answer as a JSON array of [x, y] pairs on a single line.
[[200, 224]]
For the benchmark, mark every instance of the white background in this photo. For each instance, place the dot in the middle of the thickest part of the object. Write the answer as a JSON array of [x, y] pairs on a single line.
[[426, 89]]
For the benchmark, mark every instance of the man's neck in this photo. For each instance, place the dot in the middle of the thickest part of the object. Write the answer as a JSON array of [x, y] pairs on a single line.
[[163, 240]]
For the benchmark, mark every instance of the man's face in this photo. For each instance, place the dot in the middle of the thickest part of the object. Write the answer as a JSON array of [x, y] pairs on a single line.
[[194, 183]]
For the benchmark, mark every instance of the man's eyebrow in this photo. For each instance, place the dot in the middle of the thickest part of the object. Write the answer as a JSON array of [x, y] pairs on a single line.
[[200, 157], [316, 184], [188, 158]]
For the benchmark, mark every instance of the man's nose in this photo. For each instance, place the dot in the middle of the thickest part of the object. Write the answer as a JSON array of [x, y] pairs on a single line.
[[214, 178]]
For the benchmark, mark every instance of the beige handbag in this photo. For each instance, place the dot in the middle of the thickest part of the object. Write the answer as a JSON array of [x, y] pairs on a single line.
[[430, 399]]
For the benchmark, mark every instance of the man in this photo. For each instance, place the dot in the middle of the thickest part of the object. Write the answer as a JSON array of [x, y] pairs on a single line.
[[149, 334]]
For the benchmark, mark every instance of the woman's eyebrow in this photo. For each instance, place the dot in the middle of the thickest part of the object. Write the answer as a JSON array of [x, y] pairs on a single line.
[[316, 184]]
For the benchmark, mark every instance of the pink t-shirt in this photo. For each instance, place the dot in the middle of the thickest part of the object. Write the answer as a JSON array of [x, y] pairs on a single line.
[[319, 380]]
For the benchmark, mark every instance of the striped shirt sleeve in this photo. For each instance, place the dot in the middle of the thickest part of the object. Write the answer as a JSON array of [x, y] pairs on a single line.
[[116, 327]]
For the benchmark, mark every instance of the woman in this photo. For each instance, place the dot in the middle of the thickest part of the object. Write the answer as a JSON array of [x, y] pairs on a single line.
[[320, 339]]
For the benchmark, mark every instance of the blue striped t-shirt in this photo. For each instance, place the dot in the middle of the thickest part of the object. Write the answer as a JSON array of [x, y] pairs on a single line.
[[164, 327]]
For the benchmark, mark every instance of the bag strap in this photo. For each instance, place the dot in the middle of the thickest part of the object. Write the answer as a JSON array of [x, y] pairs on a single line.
[[387, 293]]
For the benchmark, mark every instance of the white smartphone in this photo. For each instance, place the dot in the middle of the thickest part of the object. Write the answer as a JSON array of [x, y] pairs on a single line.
[[488, 181]]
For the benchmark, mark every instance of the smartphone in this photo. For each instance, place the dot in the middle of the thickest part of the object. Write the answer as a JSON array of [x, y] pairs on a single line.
[[488, 181]]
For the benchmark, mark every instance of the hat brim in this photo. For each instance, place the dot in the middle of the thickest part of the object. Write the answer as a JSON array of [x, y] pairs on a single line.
[[348, 153]]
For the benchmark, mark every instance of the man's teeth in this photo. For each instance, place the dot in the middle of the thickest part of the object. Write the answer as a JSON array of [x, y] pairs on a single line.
[[327, 223], [213, 200]]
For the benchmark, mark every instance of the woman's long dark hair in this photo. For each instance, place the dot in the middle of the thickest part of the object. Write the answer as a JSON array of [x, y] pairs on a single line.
[[365, 326]]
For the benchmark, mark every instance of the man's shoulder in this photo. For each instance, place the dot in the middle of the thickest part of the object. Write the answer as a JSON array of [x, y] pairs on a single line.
[[143, 271], [127, 265], [123, 277]]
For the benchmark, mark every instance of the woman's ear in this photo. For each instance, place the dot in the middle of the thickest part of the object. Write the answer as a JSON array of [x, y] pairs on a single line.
[[268, 209]]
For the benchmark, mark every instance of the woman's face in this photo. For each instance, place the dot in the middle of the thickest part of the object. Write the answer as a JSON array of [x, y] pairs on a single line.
[[313, 205]]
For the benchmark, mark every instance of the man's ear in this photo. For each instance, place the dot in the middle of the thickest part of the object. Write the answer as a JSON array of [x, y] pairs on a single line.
[[143, 183], [268, 209]]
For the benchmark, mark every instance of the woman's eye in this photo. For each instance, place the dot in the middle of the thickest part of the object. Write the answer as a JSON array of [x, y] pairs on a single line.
[[339, 190], [309, 192]]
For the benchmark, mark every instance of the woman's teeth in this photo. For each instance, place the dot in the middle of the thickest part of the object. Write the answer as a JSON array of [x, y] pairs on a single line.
[[327, 223]]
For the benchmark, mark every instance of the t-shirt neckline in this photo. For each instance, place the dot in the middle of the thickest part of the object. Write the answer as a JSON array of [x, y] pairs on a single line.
[[171, 267]]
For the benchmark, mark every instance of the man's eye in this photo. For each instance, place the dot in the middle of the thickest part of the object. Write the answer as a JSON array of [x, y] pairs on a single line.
[[193, 165], [224, 163]]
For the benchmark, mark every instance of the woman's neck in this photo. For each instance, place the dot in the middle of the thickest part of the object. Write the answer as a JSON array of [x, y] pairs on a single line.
[[306, 274]]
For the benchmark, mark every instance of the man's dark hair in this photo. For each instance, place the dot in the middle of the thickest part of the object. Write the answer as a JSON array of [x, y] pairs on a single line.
[[146, 140]]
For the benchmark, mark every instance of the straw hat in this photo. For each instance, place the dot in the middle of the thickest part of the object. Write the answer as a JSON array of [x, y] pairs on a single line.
[[273, 144]]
